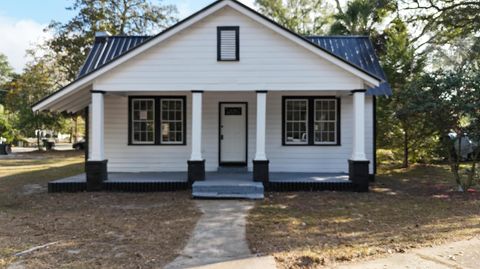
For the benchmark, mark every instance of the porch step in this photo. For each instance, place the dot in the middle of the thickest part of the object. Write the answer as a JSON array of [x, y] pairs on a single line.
[[227, 189]]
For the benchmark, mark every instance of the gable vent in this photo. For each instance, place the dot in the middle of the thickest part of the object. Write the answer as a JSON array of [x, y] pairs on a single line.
[[228, 43]]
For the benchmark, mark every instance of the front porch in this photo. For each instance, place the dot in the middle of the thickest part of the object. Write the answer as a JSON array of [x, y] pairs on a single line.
[[218, 129], [221, 184]]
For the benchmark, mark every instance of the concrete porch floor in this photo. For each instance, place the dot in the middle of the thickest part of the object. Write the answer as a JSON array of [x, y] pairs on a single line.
[[224, 177]]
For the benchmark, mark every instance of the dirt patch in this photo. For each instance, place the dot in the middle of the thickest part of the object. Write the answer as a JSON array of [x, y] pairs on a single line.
[[100, 230], [405, 209], [30, 189], [90, 230]]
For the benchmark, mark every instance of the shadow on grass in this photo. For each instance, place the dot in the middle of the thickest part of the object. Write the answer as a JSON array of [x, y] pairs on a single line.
[[420, 180], [405, 209]]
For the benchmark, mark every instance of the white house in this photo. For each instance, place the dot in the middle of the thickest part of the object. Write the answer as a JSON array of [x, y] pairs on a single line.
[[228, 87]]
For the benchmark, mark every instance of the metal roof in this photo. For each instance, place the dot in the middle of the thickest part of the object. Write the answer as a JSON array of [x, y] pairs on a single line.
[[357, 50], [107, 48]]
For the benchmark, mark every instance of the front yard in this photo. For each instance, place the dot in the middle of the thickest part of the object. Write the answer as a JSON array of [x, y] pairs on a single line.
[[407, 208], [88, 230]]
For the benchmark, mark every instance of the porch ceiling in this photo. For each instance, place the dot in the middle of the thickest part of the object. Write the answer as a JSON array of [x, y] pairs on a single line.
[[72, 102]]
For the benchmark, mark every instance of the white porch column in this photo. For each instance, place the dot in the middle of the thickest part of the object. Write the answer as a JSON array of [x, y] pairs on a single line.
[[196, 126], [260, 154], [358, 153], [97, 125]]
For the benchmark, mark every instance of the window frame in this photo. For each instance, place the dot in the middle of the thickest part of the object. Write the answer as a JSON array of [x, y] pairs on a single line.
[[132, 123], [306, 121], [237, 43], [157, 121], [315, 120], [182, 120], [311, 121]]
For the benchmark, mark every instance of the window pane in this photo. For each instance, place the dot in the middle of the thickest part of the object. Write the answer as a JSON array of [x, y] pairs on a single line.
[[143, 121], [296, 120], [325, 121], [289, 115], [178, 126], [172, 121]]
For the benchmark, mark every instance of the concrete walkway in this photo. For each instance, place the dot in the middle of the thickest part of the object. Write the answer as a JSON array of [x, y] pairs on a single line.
[[219, 236], [463, 254]]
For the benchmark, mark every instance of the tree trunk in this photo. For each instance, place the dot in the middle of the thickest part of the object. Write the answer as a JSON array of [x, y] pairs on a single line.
[[405, 149]]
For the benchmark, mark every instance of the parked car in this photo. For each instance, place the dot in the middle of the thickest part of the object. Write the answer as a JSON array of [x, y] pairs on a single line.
[[48, 143], [80, 145], [5, 149]]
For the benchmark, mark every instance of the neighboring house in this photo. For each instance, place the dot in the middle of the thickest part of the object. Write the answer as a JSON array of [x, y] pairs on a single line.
[[228, 87]]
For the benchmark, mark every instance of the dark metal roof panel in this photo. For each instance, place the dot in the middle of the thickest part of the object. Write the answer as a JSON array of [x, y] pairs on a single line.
[[358, 50], [106, 49]]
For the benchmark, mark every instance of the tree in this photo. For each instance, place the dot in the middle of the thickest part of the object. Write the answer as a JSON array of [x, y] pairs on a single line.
[[72, 40], [6, 72], [361, 17], [460, 51], [450, 101], [26, 89], [305, 17], [400, 128], [440, 21]]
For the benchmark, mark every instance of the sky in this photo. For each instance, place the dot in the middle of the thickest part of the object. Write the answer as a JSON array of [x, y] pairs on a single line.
[[22, 22]]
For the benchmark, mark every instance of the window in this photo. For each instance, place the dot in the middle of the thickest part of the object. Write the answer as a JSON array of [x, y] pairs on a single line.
[[233, 111], [157, 120], [325, 122], [228, 43], [296, 121], [172, 121], [143, 119], [311, 121]]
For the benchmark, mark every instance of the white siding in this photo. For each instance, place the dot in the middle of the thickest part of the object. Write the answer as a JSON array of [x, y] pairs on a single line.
[[124, 158], [188, 61]]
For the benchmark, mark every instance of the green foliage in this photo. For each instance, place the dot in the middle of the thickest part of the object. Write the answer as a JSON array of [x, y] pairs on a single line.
[[450, 101], [6, 129], [73, 39], [61, 57], [6, 73], [361, 16], [401, 129], [306, 17], [459, 52], [440, 21], [26, 89], [6, 70]]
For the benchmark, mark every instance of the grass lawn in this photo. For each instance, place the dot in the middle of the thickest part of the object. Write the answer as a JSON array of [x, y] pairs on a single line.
[[89, 230], [406, 208]]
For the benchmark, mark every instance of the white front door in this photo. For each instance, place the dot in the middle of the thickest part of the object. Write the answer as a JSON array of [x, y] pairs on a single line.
[[233, 133]]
